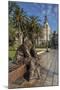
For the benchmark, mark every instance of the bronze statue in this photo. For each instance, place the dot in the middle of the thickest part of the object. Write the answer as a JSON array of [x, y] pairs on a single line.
[[26, 55]]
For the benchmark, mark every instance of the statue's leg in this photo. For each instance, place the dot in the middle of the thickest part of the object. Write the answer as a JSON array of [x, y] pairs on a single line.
[[38, 71], [32, 70]]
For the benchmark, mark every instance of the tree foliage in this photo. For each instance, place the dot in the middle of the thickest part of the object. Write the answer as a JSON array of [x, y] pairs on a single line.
[[20, 22]]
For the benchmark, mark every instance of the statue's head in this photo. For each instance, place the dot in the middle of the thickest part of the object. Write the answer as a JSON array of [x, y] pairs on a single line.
[[28, 43]]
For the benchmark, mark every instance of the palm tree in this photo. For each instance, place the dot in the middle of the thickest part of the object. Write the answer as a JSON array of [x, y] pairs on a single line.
[[35, 29], [39, 33], [20, 22]]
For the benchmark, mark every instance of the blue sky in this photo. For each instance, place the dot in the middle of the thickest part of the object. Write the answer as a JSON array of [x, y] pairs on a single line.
[[40, 10]]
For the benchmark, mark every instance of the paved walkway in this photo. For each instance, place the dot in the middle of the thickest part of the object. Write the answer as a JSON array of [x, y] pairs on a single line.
[[49, 69]]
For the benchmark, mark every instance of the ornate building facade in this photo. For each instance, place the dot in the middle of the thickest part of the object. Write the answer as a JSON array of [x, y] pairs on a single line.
[[47, 33]]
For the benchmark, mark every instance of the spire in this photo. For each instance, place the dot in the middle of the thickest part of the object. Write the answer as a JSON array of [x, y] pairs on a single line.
[[46, 20]]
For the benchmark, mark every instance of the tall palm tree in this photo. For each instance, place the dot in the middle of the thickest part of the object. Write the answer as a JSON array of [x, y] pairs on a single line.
[[35, 29], [20, 21]]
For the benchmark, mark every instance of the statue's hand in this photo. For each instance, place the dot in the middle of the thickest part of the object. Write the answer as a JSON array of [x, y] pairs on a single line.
[[27, 60]]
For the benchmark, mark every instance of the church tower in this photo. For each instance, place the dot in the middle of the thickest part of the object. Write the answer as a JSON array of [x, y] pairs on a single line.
[[46, 30]]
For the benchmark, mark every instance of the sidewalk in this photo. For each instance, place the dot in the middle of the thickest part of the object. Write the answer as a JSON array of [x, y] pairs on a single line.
[[41, 50]]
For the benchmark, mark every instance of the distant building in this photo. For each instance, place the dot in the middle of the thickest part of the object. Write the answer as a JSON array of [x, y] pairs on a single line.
[[54, 40], [47, 33], [46, 30]]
